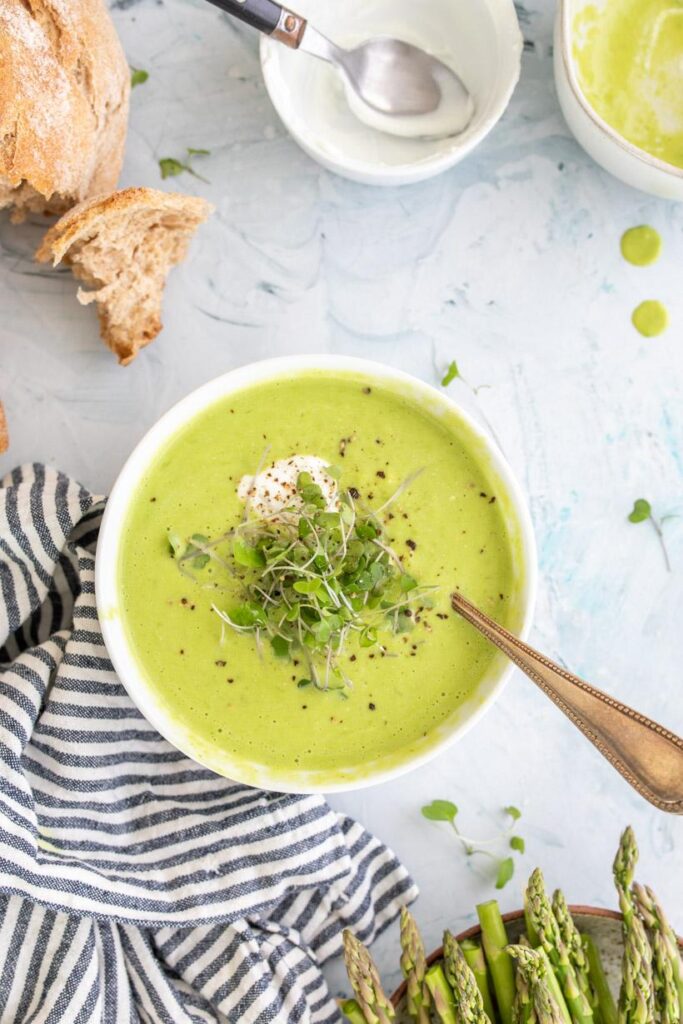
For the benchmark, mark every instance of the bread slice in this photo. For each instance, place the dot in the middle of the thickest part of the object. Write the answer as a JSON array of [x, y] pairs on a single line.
[[4, 433], [64, 91], [123, 245]]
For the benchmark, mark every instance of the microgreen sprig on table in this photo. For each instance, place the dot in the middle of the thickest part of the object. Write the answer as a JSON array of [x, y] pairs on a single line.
[[446, 811], [641, 513], [313, 580], [171, 168], [452, 372]]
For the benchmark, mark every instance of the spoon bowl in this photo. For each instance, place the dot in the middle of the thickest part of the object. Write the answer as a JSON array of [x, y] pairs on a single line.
[[394, 77]]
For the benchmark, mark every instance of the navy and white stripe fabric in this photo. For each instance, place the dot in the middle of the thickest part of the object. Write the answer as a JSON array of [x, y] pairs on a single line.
[[136, 886]]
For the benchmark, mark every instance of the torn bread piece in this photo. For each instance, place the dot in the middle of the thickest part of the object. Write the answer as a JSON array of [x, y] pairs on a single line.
[[123, 245], [64, 88], [4, 432]]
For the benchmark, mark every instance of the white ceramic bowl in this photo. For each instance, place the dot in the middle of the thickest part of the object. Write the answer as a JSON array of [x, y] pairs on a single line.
[[480, 39], [107, 567], [607, 147]]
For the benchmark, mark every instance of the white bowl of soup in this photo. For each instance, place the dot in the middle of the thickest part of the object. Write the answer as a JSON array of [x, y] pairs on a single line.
[[275, 566], [619, 77]]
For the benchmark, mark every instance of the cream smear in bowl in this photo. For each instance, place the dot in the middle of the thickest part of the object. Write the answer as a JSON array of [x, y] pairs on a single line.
[[479, 39]]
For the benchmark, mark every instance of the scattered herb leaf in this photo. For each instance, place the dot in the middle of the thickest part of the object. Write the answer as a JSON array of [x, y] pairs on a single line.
[[444, 810], [171, 168], [453, 373], [641, 513], [642, 510], [440, 810], [138, 76], [506, 870]]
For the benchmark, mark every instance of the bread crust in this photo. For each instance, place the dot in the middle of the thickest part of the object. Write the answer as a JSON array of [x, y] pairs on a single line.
[[4, 432], [123, 245], [64, 93]]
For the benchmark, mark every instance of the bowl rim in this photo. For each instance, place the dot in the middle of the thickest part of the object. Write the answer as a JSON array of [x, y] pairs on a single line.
[[411, 171], [564, 13], [474, 932], [119, 649]]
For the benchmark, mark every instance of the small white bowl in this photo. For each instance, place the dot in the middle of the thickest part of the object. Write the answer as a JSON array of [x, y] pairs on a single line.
[[480, 39], [107, 590], [607, 147]]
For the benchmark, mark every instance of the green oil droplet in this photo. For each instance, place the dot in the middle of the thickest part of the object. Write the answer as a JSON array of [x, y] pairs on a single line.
[[650, 318], [641, 246]]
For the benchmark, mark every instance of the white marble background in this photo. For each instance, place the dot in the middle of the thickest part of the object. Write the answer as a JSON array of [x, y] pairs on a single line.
[[509, 263]]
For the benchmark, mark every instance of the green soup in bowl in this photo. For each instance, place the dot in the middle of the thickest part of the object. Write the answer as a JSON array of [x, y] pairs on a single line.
[[275, 566]]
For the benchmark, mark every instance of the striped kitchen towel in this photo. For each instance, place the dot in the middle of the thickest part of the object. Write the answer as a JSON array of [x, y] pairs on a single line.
[[135, 885]]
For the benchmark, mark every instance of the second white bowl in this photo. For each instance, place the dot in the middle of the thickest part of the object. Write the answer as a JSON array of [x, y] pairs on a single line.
[[480, 39], [608, 148]]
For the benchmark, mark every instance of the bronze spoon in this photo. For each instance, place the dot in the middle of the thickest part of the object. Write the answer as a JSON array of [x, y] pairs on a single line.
[[648, 756]]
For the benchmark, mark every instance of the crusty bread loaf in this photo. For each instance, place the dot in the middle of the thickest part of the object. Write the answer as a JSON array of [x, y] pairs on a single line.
[[4, 433], [124, 245], [64, 89]]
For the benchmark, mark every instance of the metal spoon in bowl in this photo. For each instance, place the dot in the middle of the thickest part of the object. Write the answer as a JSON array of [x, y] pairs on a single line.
[[648, 756], [391, 78]]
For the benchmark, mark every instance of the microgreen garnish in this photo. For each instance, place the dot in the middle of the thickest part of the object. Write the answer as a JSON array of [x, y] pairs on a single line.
[[314, 579], [451, 373], [138, 76], [171, 168], [446, 811], [641, 513]]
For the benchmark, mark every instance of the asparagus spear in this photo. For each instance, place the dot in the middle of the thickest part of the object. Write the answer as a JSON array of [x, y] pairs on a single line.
[[554, 986], [495, 941], [474, 955], [543, 920], [441, 995], [521, 1009], [536, 1003], [666, 951], [364, 978], [469, 1005], [636, 999], [624, 869], [605, 1000], [572, 940], [352, 1011], [414, 967]]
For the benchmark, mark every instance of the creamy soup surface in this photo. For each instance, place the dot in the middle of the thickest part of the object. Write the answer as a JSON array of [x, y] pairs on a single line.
[[449, 528]]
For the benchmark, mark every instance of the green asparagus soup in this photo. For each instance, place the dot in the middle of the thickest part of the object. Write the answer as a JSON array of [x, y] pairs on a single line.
[[285, 573]]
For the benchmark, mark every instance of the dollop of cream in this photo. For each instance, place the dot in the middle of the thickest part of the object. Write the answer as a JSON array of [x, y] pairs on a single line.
[[272, 493]]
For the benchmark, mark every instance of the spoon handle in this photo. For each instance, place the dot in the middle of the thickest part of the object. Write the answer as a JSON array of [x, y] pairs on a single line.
[[648, 756], [268, 17]]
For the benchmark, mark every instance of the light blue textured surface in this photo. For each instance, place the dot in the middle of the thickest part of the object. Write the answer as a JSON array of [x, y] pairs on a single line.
[[509, 263]]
